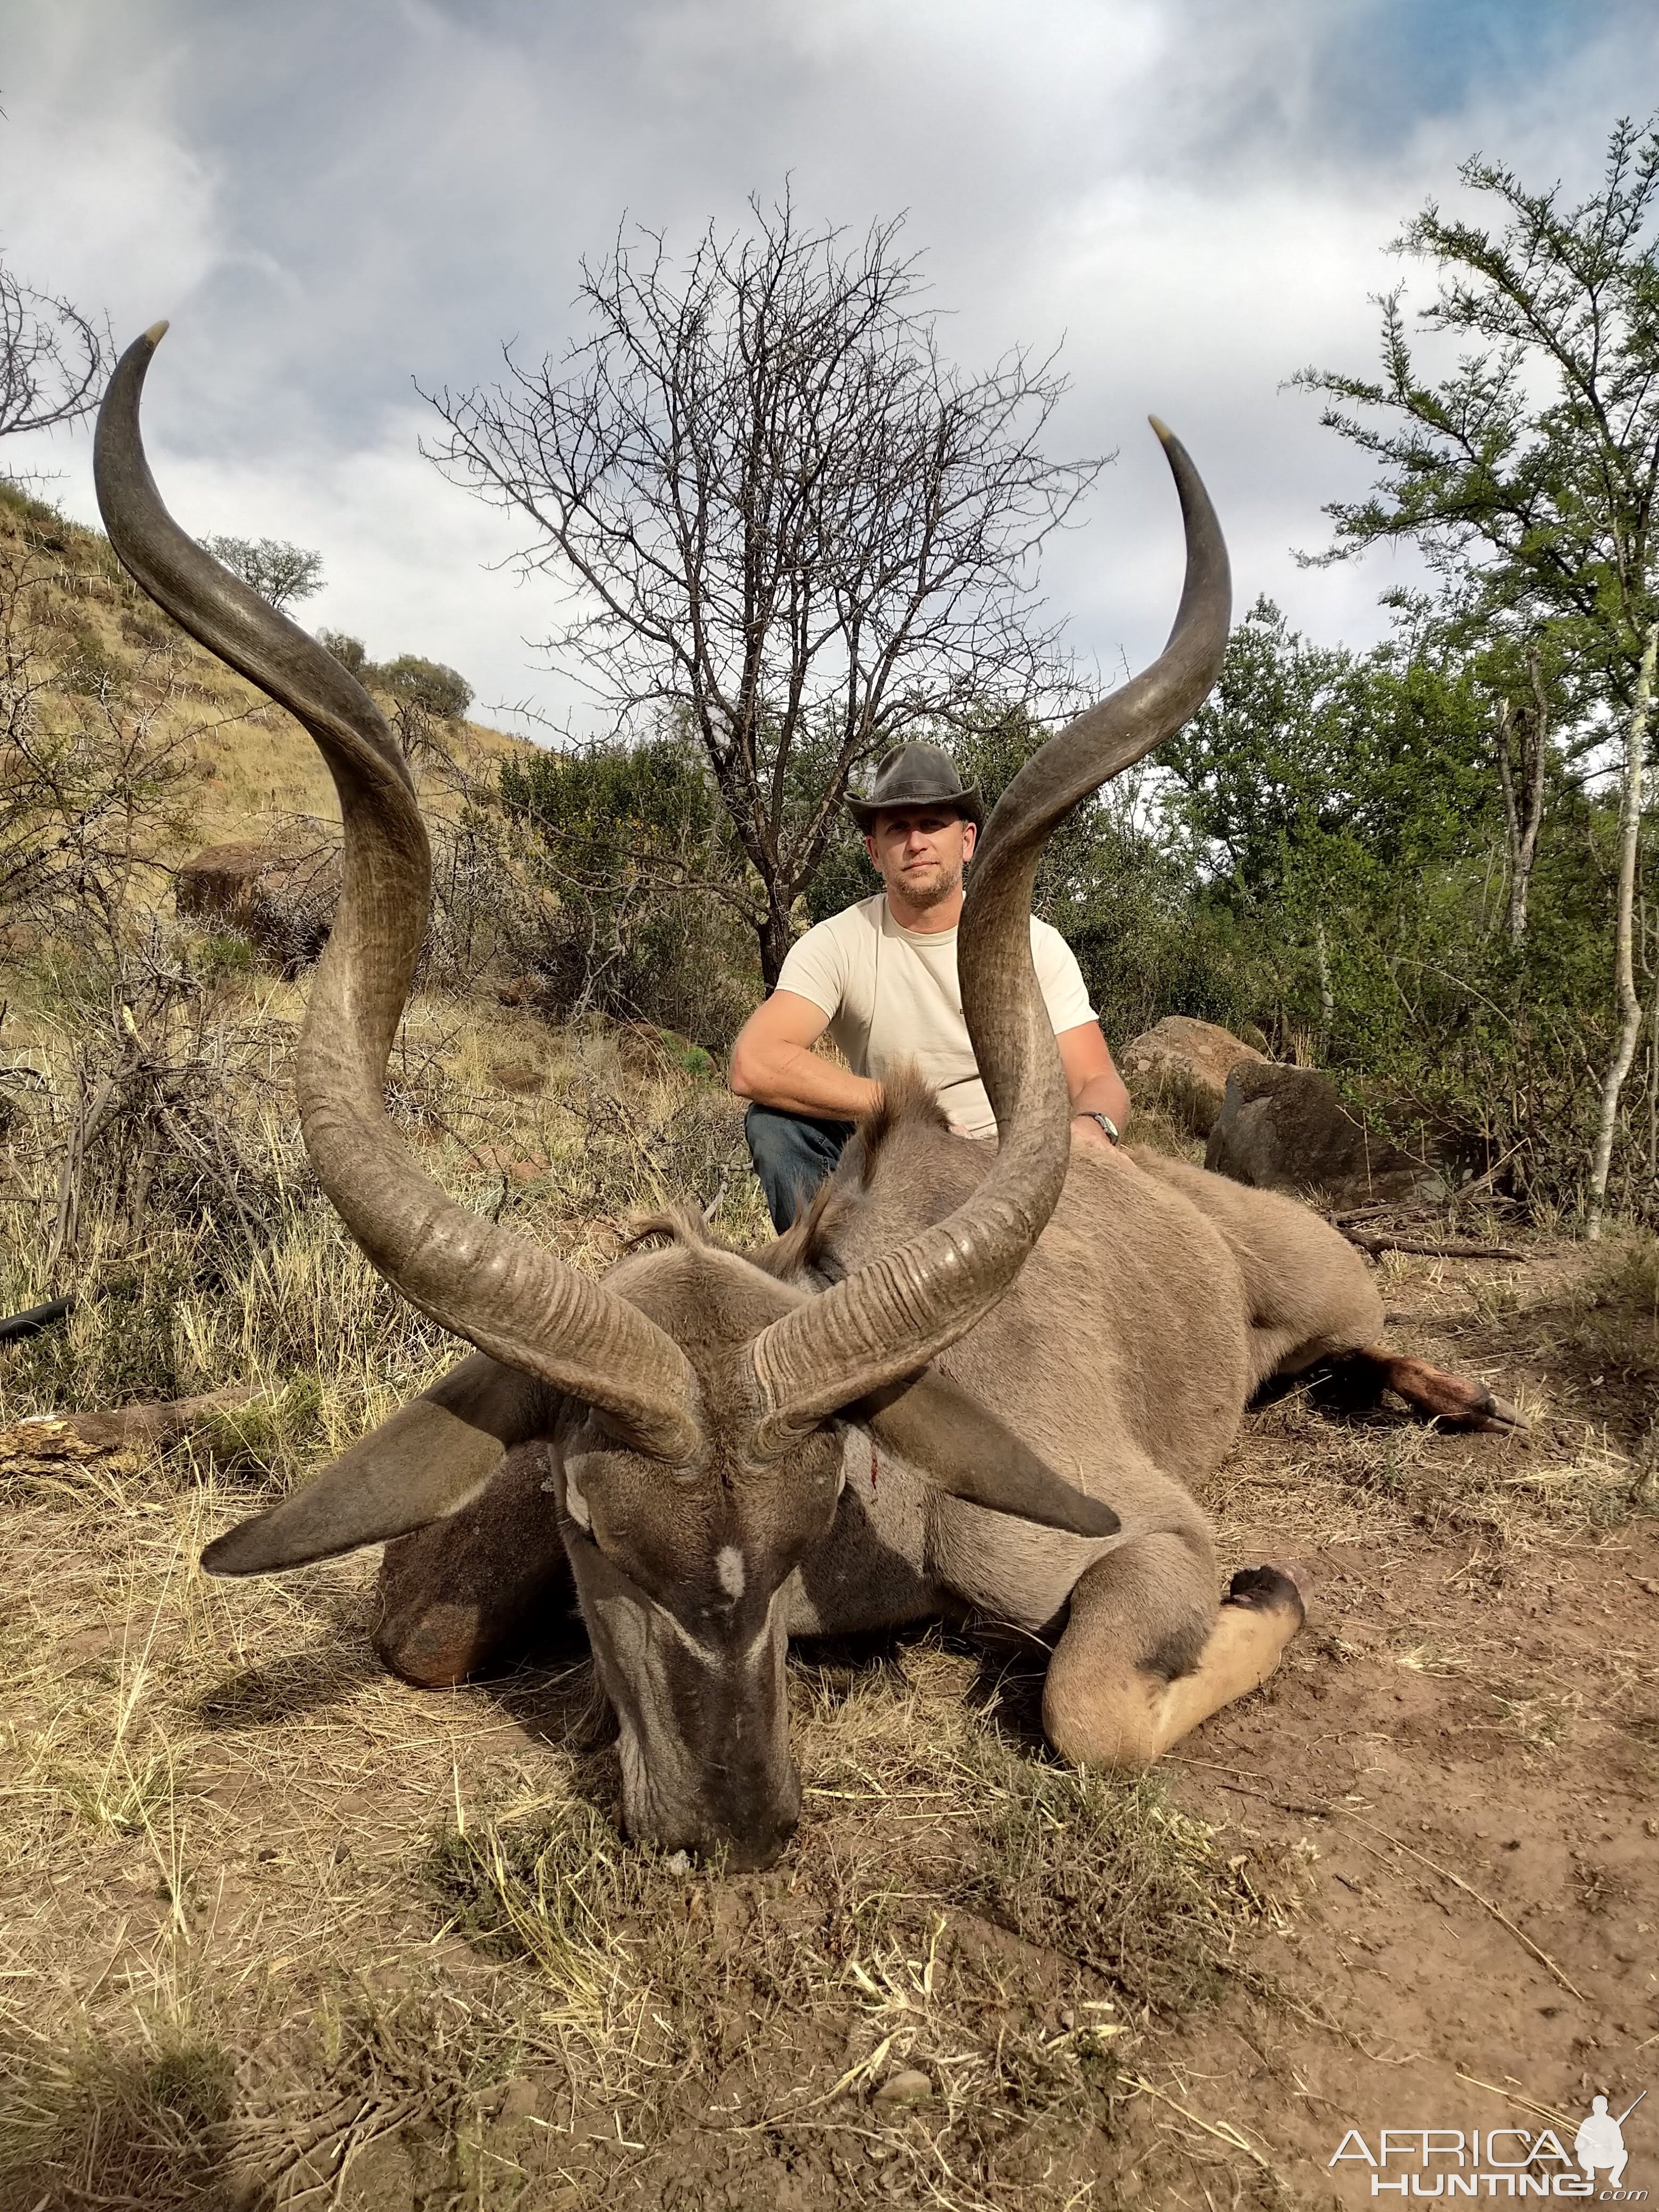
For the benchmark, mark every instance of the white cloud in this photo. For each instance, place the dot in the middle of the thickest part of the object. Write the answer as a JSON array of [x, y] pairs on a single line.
[[1193, 194]]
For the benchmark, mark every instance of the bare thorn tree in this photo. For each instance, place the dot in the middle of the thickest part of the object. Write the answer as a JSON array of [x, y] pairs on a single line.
[[53, 359], [778, 515]]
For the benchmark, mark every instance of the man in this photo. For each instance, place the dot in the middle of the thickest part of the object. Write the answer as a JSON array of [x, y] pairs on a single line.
[[881, 977]]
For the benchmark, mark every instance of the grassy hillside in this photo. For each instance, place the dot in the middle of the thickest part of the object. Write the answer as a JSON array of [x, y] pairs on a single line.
[[252, 766]]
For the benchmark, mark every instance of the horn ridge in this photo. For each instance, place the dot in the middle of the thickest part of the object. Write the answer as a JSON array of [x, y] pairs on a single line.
[[508, 1297], [895, 1314]]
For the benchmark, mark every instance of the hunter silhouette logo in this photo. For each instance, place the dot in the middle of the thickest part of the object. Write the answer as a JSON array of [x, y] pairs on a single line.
[[1600, 2141], [1448, 2162]]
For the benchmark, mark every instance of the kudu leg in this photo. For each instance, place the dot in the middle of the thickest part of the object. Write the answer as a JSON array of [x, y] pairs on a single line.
[[1147, 1655], [1359, 1379], [483, 1588]]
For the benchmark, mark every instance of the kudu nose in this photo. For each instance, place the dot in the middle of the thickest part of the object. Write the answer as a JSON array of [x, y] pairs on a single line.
[[753, 1834], [760, 1848]]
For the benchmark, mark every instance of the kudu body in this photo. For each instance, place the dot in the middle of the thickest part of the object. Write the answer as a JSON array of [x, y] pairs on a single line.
[[974, 1380]]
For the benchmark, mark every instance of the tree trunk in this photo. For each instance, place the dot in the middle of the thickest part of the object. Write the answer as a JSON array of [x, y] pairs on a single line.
[[1623, 970], [1522, 784], [775, 937], [1327, 996]]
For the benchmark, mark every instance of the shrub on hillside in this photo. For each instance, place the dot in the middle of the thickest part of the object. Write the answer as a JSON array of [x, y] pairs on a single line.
[[349, 652], [425, 684]]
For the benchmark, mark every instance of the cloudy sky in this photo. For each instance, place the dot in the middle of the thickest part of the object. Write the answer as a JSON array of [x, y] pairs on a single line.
[[1194, 196]]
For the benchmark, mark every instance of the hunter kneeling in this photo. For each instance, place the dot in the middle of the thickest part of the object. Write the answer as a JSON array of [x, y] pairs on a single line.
[[881, 977]]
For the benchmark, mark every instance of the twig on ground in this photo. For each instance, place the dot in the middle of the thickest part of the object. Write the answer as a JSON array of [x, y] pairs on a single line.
[[1376, 1242], [1527, 2104], [1457, 1880], [1224, 2132], [1393, 1209]]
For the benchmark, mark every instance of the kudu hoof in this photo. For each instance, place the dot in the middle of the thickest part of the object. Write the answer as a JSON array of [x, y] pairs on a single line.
[[1499, 1418], [1266, 1589]]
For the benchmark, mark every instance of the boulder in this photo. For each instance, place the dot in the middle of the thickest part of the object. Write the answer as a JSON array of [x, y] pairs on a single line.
[[1181, 1066], [283, 901], [1287, 1129]]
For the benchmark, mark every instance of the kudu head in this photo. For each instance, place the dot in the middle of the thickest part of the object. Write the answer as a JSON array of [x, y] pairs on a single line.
[[692, 1402]]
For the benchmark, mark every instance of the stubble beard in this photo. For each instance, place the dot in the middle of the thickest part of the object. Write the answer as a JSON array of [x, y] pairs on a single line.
[[923, 896]]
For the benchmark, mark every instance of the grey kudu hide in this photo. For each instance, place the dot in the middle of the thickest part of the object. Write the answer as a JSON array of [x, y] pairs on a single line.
[[724, 1449]]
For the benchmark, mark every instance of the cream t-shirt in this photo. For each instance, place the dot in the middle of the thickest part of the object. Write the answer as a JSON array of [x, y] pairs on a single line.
[[891, 994]]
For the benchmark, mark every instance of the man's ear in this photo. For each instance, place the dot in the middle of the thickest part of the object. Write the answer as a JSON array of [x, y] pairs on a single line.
[[969, 839], [963, 1450], [430, 1457]]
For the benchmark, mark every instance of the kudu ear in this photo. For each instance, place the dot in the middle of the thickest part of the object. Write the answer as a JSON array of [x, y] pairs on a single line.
[[430, 1457], [939, 1428]]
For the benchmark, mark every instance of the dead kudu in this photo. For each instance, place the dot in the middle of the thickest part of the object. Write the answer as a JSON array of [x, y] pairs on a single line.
[[725, 1448]]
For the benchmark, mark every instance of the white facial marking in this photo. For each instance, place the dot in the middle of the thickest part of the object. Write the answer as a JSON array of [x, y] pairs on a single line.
[[574, 1504], [728, 1565]]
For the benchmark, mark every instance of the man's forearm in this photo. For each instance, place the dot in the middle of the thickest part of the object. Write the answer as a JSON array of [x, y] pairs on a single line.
[[794, 1080], [1103, 1094]]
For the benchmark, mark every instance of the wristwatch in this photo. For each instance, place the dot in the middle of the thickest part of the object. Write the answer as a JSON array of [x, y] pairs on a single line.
[[1107, 1124]]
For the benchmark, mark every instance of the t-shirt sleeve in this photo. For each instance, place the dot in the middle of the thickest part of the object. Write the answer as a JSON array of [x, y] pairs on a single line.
[[1063, 991], [815, 968]]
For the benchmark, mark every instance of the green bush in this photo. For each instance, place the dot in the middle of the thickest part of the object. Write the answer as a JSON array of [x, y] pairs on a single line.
[[349, 652], [642, 872], [425, 685]]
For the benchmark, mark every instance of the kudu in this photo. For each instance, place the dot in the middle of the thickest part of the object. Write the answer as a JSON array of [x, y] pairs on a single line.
[[725, 1449]]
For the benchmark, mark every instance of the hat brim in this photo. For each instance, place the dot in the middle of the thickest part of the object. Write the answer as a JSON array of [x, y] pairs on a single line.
[[965, 803]]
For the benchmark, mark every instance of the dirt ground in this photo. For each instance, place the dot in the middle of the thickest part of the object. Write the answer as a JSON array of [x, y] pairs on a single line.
[[279, 1931], [1465, 1745]]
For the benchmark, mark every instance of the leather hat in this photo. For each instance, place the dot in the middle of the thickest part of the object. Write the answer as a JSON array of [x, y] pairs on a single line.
[[917, 774]]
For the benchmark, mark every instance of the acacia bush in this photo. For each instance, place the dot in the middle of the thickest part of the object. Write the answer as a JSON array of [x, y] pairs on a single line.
[[425, 696], [640, 914]]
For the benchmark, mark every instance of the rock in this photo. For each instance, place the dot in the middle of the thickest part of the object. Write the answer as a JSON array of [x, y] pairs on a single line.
[[910, 2086], [283, 901], [1181, 1066], [523, 1078], [1287, 1129]]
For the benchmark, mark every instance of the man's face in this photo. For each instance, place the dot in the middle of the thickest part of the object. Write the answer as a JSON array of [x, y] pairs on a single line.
[[920, 853]]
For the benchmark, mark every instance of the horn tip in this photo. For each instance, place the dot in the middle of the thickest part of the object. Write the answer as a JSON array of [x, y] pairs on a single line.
[[156, 332], [1165, 432]]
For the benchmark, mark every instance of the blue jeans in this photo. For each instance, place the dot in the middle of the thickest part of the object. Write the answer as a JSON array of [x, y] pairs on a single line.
[[792, 1153]]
